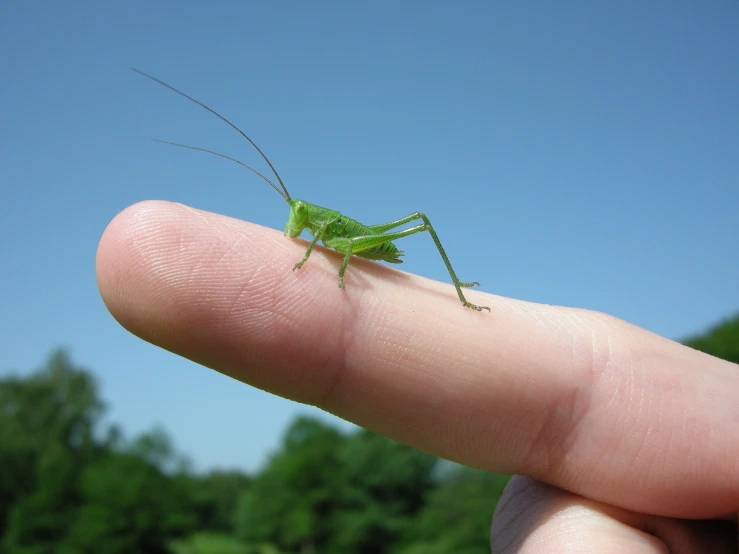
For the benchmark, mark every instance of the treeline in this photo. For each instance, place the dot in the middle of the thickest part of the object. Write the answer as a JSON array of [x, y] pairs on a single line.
[[70, 486], [67, 486], [721, 340]]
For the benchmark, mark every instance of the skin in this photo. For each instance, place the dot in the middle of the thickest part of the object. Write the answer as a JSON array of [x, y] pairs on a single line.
[[626, 438]]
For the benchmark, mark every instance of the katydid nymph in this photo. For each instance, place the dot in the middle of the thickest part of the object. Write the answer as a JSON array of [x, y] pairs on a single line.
[[345, 235]]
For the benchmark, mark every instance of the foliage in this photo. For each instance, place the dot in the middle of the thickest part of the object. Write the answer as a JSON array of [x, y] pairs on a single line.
[[721, 341], [127, 505], [46, 435], [216, 543], [382, 488], [214, 498], [287, 503], [63, 490], [38, 521], [327, 492], [462, 506]]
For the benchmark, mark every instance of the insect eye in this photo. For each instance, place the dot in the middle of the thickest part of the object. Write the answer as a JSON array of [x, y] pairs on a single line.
[[300, 207]]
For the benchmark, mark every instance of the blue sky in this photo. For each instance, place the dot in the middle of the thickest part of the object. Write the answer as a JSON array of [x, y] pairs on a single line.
[[575, 153]]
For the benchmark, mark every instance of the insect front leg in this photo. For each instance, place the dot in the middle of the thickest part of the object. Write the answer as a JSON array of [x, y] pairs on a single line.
[[313, 242]]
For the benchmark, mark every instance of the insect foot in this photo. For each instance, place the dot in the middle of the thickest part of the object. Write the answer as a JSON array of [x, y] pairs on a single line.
[[469, 285], [298, 265], [474, 307]]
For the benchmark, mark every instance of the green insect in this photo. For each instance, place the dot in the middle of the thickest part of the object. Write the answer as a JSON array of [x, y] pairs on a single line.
[[345, 235]]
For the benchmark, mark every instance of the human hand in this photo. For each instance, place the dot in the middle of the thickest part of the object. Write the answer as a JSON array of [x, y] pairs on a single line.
[[617, 421]]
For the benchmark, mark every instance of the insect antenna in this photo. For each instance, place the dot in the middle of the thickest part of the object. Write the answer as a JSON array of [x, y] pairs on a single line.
[[250, 168], [286, 194]]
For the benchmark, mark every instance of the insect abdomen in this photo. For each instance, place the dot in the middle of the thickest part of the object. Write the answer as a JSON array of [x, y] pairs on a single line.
[[347, 227], [386, 252]]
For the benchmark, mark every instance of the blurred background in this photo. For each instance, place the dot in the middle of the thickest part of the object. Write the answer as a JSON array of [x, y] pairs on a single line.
[[574, 153]]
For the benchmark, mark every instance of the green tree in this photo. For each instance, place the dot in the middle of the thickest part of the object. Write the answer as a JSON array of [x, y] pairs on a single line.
[[330, 493], [64, 491], [128, 505], [216, 543], [40, 519], [214, 498], [287, 504], [457, 516], [721, 341], [382, 487], [47, 424]]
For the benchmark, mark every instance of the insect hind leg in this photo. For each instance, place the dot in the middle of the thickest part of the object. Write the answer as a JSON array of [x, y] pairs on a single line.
[[357, 244]]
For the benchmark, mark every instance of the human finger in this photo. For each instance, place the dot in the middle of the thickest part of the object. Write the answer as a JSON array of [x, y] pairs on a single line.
[[574, 398], [532, 517]]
